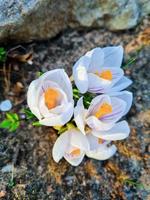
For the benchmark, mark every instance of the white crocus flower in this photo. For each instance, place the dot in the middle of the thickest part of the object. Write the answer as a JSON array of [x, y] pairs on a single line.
[[103, 115], [50, 98], [99, 148], [72, 145], [98, 71]]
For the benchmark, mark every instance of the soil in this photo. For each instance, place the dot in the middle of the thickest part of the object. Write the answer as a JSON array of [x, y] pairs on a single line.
[[35, 175]]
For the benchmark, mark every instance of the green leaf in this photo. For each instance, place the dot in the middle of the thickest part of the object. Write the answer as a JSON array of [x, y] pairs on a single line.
[[76, 93], [62, 130], [134, 183], [37, 123], [14, 126], [70, 125], [76, 96], [10, 116], [39, 74], [57, 127], [5, 123], [11, 183], [15, 116], [11, 122], [2, 50], [131, 61], [29, 114], [2, 54]]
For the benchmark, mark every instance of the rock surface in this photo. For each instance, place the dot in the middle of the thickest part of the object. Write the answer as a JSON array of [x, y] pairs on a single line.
[[27, 20], [31, 19]]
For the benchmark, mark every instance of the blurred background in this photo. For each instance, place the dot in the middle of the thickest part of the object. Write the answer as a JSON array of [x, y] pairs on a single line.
[[40, 35]]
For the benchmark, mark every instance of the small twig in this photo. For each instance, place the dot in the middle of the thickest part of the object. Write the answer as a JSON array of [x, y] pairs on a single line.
[[16, 154], [14, 48], [12, 174], [8, 76], [5, 79]]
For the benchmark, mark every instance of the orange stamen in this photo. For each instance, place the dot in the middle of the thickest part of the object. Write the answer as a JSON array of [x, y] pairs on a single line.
[[100, 141], [75, 152], [51, 98], [106, 74], [104, 109]]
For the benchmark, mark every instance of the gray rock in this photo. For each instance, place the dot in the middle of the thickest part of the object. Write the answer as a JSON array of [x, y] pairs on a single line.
[[86, 13], [115, 15], [27, 20], [126, 18], [145, 7]]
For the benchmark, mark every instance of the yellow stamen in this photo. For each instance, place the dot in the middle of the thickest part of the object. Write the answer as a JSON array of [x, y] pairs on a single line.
[[104, 109], [75, 152], [106, 74], [51, 98]]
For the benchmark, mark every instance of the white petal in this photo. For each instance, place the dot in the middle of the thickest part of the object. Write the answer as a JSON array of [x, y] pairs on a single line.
[[113, 56], [74, 161], [119, 131], [43, 108], [106, 122], [60, 77], [59, 109], [46, 113], [93, 141], [117, 74], [60, 146], [66, 116], [33, 97], [76, 140], [97, 59], [97, 84], [80, 73], [48, 84], [100, 85], [102, 153], [127, 97], [96, 102], [58, 120], [79, 115], [123, 83], [118, 109], [98, 125], [99, 151], [41, 102], [79, 140]]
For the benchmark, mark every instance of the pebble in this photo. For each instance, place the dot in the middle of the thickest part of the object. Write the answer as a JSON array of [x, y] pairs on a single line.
[[7, 168], [5, 105]]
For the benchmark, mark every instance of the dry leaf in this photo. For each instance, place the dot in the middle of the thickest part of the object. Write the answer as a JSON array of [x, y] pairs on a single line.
[[2, 193], [20, 54], [18, 87], [91, 170], [120, 174], [143, 39]]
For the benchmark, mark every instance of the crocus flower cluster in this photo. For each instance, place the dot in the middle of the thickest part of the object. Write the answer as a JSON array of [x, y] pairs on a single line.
[[51, 100]]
